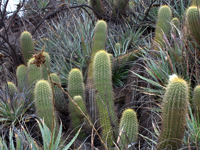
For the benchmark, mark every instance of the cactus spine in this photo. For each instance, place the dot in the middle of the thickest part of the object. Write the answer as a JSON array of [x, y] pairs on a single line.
[[44, 103], [99, 43], [21, 76], [196, 101], [27, 46], [47, 63], [104, 98], [174, 114], [129, 125], [60, 102], [192, 18], [163, 25]]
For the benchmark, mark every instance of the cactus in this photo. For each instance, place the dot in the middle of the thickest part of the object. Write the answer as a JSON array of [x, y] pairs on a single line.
[[44, 103], [97, 5], [60, 102], [192, 20], [104, 96], [27, 46], [12, 89], [120, 7], [21, 74], [174, 114], [34, 72], [175, 22], [99, 43], [163, 25], [195, 3], [47, 63], [118, 47], [129, 125], [196, 101]]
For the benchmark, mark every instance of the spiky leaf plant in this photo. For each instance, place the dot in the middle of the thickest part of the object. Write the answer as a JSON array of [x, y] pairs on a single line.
[[104, 96], [192, 20], [21, 74], [174, 114], [163, 25], [27, 46], [128, 128], [43, 97]]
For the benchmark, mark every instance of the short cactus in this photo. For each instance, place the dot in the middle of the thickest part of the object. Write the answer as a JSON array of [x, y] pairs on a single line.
[[12, 89], [163, 25], [120, 7], [21, 74], [60, 101], [192, 19], [44, 103], [45, 73], [99, 43], [174, 114], [175, 24], [196, 101], [104, 96], [27, 46], [97, 5], [118, 47], [128, 128]]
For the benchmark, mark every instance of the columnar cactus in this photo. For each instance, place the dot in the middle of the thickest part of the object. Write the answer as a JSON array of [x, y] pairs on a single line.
[[196, 101], [12, 89], [34, 72], [104, 96], [44, 103], [60, 101], [195, 3], [174, 114], [97, 5], [27, 46], [128, 128], [163, 25], [99, 43], [175, 24], [47, 63], [192, 19], [118, 47], [120, 7], [21, 74]]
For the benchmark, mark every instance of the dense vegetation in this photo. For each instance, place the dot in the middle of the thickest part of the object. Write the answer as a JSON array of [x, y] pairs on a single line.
[[100, 74]]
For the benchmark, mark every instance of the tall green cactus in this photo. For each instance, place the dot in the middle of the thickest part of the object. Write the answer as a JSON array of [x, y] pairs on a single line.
[[196, 101], [60, 101], [163, 25], [27, 46], [44, 103], [12, 89], [129, 125], [21, 74], [99, 43], [120, 7], [34, 72], [195, 3], [175, 24], [47, 63], [97, 5], [75, 87], [174, 114], [104, 96], [192, 20]]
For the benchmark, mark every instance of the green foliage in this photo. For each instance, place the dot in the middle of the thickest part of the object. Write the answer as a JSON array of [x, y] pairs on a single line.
[[27, 46], [128, 128], [12, 89], [196, 101], [104, 96], [192, 19], [163, 25], [99, 43], [47, 63], [21, 74], [174, 114], [43, 97], [60, 101]]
